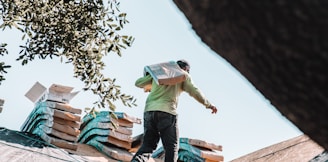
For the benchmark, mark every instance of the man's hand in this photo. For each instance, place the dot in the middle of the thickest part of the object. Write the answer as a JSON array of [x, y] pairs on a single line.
[[214, 109], [147, 88]]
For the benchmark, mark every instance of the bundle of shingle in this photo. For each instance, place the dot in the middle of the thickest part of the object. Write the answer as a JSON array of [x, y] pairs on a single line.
[[56, 123], [110, 133], [194, 150], [1, 104], [52, 118]]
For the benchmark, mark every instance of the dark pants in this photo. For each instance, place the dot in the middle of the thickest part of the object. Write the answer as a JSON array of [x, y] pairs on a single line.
[[159, 125]]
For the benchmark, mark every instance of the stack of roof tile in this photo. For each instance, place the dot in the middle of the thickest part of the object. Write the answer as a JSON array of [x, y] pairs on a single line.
[[1, 104], [110, 133], [52, 118], [56, 123], [194, 150]]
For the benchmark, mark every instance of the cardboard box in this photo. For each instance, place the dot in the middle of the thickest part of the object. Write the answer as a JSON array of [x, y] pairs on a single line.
[[56, 92], [167, 73]]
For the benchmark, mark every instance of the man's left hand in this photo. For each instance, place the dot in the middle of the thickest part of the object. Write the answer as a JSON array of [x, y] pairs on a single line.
[[214, 109]]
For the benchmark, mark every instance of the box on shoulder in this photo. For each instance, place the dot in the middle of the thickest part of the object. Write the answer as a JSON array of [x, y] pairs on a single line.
[[166, 73], [56, 92]]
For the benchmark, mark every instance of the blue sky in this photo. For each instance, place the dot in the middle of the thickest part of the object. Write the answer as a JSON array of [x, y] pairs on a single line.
[[245, 121]]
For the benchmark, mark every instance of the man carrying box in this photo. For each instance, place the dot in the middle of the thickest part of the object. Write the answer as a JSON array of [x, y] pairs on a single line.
[[160, 116]]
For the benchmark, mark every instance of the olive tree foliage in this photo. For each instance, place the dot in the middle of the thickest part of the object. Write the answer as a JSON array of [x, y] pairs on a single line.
[[81, 32], [3, 66]]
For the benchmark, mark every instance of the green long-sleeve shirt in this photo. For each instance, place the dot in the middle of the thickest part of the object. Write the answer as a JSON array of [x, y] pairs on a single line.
[[165, 97]]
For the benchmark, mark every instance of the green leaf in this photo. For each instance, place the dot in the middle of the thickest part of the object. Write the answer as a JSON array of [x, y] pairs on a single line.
[[54, 29]]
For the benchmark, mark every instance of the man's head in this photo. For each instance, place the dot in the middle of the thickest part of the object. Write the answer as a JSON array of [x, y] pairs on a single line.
[[184, 65]]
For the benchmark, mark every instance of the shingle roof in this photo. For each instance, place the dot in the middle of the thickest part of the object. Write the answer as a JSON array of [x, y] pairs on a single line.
[[300, 148], [18, 146]]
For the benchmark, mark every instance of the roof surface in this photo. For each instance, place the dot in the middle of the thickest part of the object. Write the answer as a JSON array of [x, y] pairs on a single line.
[[18, 146], [300, 148]]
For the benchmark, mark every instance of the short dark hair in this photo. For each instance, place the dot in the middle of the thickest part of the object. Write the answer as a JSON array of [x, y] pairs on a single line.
[[183, 63]]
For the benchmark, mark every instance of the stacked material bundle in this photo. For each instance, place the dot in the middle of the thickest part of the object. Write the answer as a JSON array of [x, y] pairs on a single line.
[[1, 104], [194, 150], [56, 123], [110, 133], [52, 118]]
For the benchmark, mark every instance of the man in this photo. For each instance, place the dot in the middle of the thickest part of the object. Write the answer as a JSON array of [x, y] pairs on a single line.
[[160, 116]]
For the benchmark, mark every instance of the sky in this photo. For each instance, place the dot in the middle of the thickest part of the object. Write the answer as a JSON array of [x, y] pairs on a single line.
[[246, 121]]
